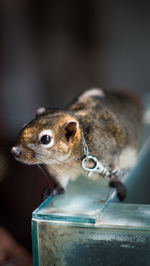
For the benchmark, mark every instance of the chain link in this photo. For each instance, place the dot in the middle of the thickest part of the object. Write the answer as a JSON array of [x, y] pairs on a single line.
[[99, 167], [85, 147]]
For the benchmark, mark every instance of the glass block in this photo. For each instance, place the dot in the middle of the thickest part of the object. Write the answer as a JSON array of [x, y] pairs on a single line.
[[84, 200], [120, 236], [84, 227]]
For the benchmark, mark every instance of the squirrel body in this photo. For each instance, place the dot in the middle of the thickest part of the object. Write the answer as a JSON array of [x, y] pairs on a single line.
[[109, 122]]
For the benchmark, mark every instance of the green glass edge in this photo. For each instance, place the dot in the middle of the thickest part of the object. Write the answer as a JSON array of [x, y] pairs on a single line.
[[42, 205], [67, 219], [35, 244]]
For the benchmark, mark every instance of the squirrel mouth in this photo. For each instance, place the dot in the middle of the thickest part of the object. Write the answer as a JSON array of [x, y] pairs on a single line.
[[23, 157], [16, 151]]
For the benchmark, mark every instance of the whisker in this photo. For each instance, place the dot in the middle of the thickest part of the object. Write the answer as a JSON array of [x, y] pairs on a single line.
[[46, 162], [57, 163], [42, 170], [71, 166], [44, 173]]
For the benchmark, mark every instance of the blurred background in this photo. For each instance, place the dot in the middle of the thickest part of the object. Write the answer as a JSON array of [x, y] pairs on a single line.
[[51, 51]]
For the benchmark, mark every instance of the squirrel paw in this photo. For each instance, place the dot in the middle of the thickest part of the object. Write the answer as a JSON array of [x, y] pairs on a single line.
[[120, 187]]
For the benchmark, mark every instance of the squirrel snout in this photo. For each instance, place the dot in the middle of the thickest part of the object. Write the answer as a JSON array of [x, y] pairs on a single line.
[[16, 151]]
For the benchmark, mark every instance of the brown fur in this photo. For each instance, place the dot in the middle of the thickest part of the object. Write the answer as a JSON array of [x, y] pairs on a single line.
[[109, 122]]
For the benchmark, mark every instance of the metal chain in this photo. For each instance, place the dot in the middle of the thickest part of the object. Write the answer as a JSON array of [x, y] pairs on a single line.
[[119, 172], [85, 147], [99, 167]]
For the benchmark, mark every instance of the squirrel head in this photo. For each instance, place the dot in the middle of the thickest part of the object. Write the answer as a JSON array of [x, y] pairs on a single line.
[[53, 136]]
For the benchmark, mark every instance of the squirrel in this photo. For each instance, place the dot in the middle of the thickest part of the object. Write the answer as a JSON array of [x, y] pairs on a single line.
[[106, 123]]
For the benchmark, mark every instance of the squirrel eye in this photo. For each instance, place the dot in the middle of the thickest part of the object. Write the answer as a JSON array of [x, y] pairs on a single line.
[[45, 139]]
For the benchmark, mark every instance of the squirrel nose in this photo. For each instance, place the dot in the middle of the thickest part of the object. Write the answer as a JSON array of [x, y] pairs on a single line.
[[16, 151]]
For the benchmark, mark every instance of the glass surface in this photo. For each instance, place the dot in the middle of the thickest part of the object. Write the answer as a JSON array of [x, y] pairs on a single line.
[[83, 200]]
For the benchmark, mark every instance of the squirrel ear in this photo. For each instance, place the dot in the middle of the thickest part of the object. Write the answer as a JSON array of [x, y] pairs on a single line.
[[71, 128], [40, 111]]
